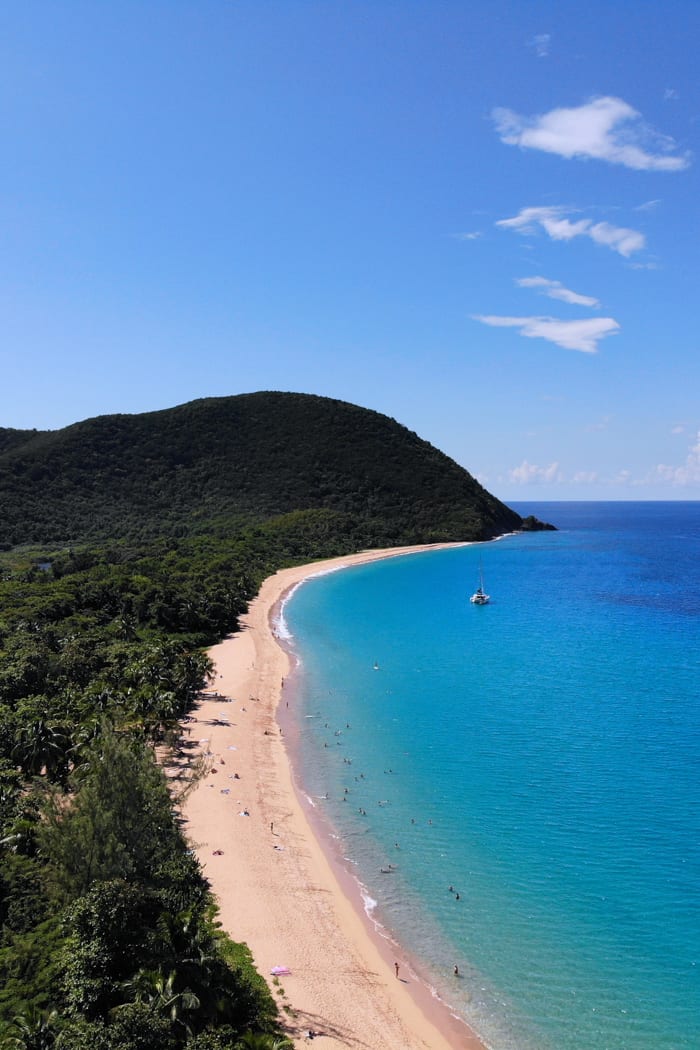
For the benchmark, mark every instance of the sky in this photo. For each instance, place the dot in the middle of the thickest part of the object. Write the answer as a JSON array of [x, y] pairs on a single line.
[[479, 218]]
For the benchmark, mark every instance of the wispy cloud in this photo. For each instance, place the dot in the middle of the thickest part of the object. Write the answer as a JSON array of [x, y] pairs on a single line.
[[581, 335], [601, 424], [644, 266], [603, 129], [472, 236], [553, 219], [530, 473], [648, 205], [540, 43], [687, 473], [671, 94], [556, 290]]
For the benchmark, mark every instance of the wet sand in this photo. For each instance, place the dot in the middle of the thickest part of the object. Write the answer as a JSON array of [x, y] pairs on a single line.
[[278, 886]]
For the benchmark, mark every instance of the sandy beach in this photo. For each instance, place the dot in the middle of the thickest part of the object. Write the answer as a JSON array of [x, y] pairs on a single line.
[[278, 889]]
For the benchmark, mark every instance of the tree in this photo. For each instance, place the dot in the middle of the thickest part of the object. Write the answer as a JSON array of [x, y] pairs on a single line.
[[33, 1030], [159, 991], [262, 1041], [42, 746], [120, 823], [108, 930], [137, 1027]]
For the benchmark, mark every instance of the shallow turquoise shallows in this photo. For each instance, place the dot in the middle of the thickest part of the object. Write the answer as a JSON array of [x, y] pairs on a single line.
[[530, 767]]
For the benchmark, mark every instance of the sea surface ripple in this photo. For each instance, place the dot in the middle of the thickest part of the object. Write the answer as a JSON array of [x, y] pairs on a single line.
[[526, 773]]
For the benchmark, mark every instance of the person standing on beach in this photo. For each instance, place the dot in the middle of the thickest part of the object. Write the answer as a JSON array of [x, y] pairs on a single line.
[[396, 967]]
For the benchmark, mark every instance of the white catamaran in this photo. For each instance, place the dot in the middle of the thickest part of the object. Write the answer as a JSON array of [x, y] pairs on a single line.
[[480, 597]]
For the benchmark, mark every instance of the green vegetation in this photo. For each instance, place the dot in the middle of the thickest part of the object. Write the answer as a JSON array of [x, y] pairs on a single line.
[[220, 463], [108, 934], [130, 544]]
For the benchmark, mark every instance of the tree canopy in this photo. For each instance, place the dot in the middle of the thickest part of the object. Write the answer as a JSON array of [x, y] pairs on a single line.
[[218, 463]]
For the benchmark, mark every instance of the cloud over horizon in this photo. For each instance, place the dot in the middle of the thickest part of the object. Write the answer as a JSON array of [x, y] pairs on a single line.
[[554, 221], [605, 128], [688, 473], [582, 335], [556, 290], [529, 473]]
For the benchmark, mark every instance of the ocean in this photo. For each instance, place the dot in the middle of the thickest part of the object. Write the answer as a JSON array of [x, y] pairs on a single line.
[[526, 773]]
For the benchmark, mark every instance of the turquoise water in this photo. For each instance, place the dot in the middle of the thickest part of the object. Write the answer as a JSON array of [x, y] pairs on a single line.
[[539, 755]]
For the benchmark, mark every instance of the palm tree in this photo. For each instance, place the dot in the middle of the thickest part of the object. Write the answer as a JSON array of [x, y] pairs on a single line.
[[126, 626], [84, 738], [188, 943], [263, 1041], [33, 1030], [157, 991], [40, 746]]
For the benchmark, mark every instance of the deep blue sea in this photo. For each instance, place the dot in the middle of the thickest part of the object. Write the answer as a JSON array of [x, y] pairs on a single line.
[[538, 756]]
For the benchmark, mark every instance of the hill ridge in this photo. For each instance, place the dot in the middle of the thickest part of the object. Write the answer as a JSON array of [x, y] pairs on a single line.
[[222, 462]]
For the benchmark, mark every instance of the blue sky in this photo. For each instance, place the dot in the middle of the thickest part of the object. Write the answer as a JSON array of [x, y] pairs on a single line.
[[478, 218]]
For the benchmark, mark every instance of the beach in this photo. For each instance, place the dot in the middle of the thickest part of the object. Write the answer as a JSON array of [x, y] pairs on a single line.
[[278, 886]]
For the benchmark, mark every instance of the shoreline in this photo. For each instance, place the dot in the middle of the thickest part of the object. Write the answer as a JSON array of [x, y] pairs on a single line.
[[279, 886]]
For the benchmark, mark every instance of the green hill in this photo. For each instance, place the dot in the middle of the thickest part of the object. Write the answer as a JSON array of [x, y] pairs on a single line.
[[139, 541], [218, 464]]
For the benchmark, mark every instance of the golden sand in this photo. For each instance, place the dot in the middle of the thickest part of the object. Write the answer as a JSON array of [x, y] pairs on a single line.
[[277, 889]]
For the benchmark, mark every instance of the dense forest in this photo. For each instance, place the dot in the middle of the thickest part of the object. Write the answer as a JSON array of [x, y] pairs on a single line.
[[108, 934], [222, 463], [130, 544]]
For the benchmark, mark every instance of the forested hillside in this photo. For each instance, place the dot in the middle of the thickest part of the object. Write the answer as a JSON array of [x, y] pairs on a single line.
[[220, 463]]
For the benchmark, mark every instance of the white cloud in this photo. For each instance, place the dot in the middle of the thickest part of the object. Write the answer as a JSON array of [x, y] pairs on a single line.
[[648, 205], [679, 428], [540, 43], [553, 220], [618, 238], [473, 236], [688, 473], [581, 335], [585, 477], [601, 424], [603, 129], [644, 266], [670, 93], [529, 473], [556, 290]]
